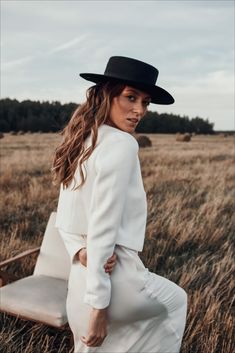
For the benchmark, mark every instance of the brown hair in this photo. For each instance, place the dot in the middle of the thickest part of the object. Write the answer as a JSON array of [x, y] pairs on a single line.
[[84, 121]]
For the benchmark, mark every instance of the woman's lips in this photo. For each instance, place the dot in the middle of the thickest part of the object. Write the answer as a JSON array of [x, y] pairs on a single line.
[[134, 121]]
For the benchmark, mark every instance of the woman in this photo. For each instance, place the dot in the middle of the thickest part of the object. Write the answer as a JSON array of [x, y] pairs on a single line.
[[101, 215]]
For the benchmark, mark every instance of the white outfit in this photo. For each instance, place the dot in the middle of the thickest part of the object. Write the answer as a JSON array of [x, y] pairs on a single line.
[[108, 214]]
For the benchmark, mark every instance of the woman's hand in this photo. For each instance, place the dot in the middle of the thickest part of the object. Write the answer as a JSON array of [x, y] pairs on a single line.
[[109, 265], [81, 256], [111, 262], [97, 329]]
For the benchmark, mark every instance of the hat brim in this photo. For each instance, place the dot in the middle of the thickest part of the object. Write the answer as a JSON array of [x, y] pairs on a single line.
[[158, 94]]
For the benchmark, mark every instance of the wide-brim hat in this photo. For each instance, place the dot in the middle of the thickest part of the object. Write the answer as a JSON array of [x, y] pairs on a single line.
[[134, 73]]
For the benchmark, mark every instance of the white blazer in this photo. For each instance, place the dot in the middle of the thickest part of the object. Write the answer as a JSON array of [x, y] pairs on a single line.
[[109, 209]]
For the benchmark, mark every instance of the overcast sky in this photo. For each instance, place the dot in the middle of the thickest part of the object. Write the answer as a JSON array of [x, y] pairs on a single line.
[[46, 44]]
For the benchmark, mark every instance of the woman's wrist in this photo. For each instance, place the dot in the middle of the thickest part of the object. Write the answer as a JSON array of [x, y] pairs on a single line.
[[78, 253], [100, 311]]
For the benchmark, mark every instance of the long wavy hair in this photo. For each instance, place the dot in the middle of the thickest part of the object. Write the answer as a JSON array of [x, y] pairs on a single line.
[[84, 121]]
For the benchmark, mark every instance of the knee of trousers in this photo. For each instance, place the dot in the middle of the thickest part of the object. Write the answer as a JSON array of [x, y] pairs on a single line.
[[182, 298]]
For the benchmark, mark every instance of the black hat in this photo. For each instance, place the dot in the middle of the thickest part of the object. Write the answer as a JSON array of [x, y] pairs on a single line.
[[135, 73]]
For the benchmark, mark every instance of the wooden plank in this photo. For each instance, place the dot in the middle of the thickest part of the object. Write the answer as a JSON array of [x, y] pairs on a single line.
[[20, 256]]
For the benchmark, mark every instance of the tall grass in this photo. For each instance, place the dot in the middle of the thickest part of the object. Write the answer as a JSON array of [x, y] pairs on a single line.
[[189, 237]]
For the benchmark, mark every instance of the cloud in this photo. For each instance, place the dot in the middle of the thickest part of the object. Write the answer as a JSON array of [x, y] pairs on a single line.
[[218, 82], [10, 65], [14, 64], [69, 44]]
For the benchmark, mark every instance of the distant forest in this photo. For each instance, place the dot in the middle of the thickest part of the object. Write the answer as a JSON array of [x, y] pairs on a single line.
[[52, 116]]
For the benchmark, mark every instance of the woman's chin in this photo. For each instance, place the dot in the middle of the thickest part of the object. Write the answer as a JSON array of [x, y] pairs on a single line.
[[130, 127]]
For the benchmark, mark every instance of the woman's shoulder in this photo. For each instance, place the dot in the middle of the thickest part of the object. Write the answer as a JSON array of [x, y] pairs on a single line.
[[110, 136], [115, 150]]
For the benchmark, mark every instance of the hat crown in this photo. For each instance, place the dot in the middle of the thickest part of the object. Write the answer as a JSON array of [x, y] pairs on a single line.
[[131, 69]]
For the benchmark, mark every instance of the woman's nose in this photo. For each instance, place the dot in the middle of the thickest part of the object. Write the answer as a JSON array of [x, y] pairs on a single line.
[[138, 109]]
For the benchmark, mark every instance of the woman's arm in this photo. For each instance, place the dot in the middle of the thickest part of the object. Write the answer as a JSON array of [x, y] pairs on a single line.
[[115, 163]]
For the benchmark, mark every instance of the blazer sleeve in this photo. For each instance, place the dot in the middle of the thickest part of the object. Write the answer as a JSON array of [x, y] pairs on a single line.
[[114, 166], [73, 243]]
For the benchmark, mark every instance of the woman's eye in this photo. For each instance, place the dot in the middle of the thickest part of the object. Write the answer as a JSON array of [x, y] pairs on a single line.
[[146, 103], [131, 98]]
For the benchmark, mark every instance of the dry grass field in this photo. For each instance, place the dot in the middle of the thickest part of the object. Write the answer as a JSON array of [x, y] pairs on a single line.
[[189, 239]]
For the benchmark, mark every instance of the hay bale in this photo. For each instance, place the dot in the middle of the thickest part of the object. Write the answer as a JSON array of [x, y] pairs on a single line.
[[183, 137], [143, 141], [1, 135], [223, 134]]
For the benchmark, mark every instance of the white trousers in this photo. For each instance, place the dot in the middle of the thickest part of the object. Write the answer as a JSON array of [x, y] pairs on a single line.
[[147, 312]]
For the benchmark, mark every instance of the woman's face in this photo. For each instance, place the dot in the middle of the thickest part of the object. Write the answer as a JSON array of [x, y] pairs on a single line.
[[128, 108]]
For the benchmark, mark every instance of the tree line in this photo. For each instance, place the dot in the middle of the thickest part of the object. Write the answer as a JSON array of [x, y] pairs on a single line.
[[52, 116]]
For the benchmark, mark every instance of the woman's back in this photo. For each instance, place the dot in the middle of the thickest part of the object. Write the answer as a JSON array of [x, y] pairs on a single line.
[[74, 206]]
